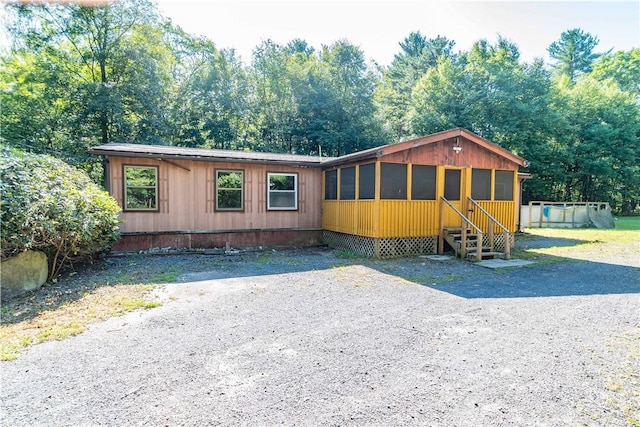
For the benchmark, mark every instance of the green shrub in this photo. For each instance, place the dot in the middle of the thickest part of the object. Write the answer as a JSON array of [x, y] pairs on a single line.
[[49, 206]]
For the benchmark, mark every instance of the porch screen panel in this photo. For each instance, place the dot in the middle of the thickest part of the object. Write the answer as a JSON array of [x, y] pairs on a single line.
[[481, 184], [393, 181], [348, 183], [331, 185], [504, 185], [423, 182], [452, 184], [367, 183]]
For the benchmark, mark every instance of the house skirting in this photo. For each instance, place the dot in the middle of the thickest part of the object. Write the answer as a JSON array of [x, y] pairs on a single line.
[[217, 239], [382, 247]]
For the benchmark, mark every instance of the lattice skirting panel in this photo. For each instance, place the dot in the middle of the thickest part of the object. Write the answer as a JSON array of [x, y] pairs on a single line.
[[498, 241], [382, 248]]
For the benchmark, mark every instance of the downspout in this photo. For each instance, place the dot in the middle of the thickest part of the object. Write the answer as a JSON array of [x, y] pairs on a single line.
[[106, 174], [519, 207]]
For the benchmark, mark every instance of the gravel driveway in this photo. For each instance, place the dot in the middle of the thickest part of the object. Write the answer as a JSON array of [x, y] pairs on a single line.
[[309, 338]]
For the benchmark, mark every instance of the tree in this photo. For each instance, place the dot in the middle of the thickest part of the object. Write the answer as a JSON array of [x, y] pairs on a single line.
[[622, 67], [351, 122], [418, 55], [106, 67], [209, 102], [574, 53], [273, 107], [306, 101], [602, 155]]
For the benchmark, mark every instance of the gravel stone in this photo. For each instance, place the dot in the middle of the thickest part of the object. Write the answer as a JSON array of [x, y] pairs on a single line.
[[309, 338]]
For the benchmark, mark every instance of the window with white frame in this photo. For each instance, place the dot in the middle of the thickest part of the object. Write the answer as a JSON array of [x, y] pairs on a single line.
[[140, 188], [282, 191], [229, 190]]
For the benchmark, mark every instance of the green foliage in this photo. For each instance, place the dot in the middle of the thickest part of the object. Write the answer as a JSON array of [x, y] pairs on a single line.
[[78, 76], [622, 67], [49, 206], [574, 53], [418, 56]]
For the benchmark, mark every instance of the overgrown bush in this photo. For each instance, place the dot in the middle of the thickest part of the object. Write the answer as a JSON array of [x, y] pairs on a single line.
[[49, 206]]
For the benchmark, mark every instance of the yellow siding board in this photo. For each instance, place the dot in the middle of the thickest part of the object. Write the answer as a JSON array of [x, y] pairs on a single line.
[[503, 211]]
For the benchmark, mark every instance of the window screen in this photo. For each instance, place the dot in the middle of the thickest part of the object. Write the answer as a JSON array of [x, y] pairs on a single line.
[[504, 185], [481, 184], [331, 185], [452, 184], [348, 183], [423, 182], [367, 183], [393, 181]]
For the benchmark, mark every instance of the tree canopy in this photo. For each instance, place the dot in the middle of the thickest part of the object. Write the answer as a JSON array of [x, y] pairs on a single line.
[[77, 76]]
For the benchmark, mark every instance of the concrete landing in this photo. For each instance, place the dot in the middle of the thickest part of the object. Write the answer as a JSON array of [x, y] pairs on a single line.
[[502, 263], [437, 257]]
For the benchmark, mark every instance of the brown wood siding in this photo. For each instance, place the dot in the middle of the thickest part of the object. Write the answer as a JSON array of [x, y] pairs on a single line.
[[187, 197], [441, 153]]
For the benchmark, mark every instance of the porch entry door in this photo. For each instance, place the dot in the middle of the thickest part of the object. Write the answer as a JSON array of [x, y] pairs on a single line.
[[454, 193]]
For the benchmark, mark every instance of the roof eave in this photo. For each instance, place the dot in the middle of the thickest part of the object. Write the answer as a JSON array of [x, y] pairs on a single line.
[[429, 139], [160, 156]]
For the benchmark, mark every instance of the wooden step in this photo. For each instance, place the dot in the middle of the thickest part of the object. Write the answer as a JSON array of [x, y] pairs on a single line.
[[459, 236]]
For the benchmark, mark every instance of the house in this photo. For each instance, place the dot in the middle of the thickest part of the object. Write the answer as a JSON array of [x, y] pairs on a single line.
[[451, 188], [199, 198]]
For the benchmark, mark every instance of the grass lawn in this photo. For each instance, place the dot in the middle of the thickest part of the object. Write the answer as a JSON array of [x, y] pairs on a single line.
[[620, 245], [56, 312]]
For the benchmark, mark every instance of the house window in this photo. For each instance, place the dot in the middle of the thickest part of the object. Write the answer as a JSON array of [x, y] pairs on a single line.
[[504, 185], [229, 190], [331, 185], [423, 182], [481, 184], [141, 188], [348, 183], [282, 193], [367, 182], [393, 181]]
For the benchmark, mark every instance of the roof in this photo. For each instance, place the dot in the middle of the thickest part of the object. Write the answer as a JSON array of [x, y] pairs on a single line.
[[170, 152], [429, 139]]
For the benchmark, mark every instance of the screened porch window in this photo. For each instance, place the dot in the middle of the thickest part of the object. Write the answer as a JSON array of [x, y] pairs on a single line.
[[141, 188], [282, 191], [504, 185], [367, 183], [348, 183], [423, 182], [331, 185], [393, 181], [452, 184], [481, 184], [229, 190]]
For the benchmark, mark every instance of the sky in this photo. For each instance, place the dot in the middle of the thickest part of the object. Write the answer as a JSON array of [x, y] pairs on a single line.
[[378, 26]]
